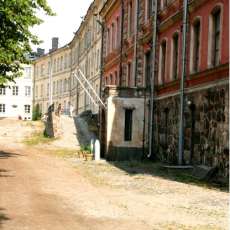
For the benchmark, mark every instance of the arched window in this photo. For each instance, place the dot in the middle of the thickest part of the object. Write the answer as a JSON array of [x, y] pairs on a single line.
[[195, 46], [116, 78], [162, 66], [129, 74], [216, 37], [61, 64], [54, 87], [175, 55], [111, 79]]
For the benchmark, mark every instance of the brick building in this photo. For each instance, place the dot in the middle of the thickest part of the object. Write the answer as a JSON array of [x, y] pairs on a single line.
[[128, 76], [206, 83]]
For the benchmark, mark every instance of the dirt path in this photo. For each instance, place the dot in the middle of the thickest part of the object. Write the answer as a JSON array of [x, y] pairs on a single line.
[[39, 191]]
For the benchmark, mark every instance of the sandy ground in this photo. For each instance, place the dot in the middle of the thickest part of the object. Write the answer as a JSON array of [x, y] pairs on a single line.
[[39, 191]]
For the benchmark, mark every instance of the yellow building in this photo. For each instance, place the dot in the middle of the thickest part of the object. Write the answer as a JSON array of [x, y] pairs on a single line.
[[54, 81]]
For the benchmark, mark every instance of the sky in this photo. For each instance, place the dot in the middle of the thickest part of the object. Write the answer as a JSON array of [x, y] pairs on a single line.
[[63, 25]]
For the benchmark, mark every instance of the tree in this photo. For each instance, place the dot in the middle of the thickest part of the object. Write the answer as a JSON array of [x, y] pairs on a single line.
[[17, 17]]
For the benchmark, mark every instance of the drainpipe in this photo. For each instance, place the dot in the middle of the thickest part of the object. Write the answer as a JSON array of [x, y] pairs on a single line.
[[121, 48], [101, 77], [183, 76], [152, 85], [136, 37]]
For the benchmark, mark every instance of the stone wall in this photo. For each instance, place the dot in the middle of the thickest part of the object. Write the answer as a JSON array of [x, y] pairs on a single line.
[[206, 128]]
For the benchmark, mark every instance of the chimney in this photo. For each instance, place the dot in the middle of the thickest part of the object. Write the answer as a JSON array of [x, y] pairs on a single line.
[[40, 52], [54, 43]]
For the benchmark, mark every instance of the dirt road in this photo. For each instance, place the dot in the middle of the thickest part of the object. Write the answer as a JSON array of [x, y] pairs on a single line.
[[39, 191]]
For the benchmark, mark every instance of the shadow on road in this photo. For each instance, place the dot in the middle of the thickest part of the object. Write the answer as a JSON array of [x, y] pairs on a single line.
[[5, 173], [3, 217], [134, 168], [5, 155]]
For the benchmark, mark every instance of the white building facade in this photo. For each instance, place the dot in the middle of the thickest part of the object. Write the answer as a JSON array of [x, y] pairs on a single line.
[[16, 98]]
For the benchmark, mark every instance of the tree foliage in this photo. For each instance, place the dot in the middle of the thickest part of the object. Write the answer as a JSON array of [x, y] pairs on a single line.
[[17, 17]]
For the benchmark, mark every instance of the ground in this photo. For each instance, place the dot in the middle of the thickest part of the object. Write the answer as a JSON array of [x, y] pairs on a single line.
[[42, 188]]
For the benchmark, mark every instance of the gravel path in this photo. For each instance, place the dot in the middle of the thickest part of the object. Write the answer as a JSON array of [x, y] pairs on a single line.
[[39, 191]]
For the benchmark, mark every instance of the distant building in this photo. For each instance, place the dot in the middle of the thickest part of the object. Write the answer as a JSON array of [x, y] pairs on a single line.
[[16, 98]]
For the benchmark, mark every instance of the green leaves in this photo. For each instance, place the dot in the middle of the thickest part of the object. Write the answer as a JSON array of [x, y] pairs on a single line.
[[17, 17]]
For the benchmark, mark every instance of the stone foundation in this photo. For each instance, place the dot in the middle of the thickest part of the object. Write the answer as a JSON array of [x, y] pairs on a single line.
[[206, 128]]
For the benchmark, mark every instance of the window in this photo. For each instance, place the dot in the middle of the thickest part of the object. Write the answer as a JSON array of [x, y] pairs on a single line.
[[57, 87], [148, 63], [150, 8], [54, 87], [2, 91], [128, 124], [130, 18], [58, 64], [27, 108], [27, 72], [163, 61], [118, 32], [36, 91], [27, 91], [15, 90], [2, 108], [111, 79], [216, 38], [108, 41], [113, 36], [47, 89], [196, 45], [175, 56], [129, 74], [61, 64], [55, 66], [116, 78], [65, 62], [41, 92]]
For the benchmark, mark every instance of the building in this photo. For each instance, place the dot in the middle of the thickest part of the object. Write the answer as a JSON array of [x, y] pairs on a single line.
[[57, 73], [135, 73], [86, 56], [16, 98], [52, 74], [206, 83], [126, 78]]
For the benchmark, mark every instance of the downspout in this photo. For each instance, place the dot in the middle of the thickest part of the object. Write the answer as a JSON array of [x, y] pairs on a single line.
[[136, 37], [152, 82], [183, 76], [121, 48], [101, 79]]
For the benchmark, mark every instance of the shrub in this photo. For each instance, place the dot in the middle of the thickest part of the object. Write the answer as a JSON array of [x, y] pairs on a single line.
[[36, 113]]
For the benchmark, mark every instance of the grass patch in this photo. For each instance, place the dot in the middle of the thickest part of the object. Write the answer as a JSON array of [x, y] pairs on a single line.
[[37, 138], [64, 153]]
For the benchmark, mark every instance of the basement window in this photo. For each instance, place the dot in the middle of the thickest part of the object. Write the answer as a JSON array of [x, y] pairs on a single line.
[[128, 124]]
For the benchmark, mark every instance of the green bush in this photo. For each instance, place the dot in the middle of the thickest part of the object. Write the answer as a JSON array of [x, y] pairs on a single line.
[[36, 113], [86, 148]]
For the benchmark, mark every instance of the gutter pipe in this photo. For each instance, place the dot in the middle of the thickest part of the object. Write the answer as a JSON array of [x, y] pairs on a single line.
[[183, 76], [152, 85]]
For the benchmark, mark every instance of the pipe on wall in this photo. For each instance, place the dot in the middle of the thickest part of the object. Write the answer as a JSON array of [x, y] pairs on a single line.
[[152, 85], [182, 84]]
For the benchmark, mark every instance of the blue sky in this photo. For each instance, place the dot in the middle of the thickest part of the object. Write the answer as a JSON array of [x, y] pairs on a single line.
[[67, 21]]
